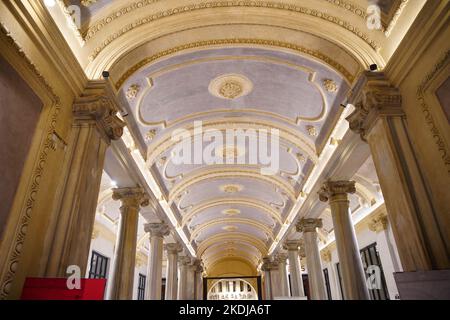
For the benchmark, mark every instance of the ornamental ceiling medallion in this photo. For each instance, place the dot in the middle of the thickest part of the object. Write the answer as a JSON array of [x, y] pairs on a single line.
[[231, 188], [230, 228], [231, 212], [230, 86]]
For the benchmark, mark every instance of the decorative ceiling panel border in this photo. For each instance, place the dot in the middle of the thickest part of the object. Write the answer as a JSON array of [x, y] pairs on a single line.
[[226, 4], [348, 76]]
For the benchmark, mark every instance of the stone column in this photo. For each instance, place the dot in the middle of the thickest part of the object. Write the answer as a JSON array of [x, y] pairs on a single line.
[[121, 287], [199, 283], [172, 250], [421, 232], [154, 274], [295, 270], [388, 257], [282, 272], [352, 272], [275, 279], [190, 280], [182, 280], [267, 282], [313, 263], [95, 125]]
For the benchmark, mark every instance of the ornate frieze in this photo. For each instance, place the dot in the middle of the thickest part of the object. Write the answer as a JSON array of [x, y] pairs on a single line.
[[333, 188]]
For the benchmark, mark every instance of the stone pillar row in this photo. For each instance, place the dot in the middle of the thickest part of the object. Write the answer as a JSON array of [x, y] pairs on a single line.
[[184, 274]]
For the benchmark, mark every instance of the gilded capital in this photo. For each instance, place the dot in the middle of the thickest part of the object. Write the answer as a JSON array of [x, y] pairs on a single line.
[[378, 223], [333, 188], [173, 248], [373, 97], [309, 225], [157, 229], [98, 104], [131, 197]]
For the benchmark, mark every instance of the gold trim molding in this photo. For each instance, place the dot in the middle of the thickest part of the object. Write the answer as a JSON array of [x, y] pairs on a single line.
[[224, 4], [15, 249], [428, 114]]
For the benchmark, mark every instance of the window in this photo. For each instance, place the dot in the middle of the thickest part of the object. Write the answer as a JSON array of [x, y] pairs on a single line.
[[338, 269], [99, 266], [371, 258], [327, 283], [141, 287]]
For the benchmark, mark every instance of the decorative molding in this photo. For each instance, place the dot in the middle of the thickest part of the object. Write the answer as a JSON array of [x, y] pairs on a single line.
[[395, 17], [236, 41], [221, 4], [71, 22], [429, 119], [15, 251], [87, 3]]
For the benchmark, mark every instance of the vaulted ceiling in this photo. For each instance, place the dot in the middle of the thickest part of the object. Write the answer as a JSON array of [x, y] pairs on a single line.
[[235, 64]]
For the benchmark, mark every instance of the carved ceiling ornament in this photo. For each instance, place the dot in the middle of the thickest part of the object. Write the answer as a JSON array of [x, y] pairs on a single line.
[[87, 3], [231, 212], [330, 85], [230, 86], [231, 188], [312, 131], [133, 91]]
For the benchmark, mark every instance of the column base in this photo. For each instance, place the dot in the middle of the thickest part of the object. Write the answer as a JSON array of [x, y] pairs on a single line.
[[423, 285]]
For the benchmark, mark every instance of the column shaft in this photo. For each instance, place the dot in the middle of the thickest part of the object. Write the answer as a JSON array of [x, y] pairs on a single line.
[[315, 276], [172, 271], [421, 232], [295, 269], [154, 275]]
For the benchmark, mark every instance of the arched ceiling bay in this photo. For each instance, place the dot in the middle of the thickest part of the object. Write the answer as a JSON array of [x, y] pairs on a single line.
[[285, 65]]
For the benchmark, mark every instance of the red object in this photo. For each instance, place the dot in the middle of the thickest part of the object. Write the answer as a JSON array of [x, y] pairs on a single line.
[[56, 289]]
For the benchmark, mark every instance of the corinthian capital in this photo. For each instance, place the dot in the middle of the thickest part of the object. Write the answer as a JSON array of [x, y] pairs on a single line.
[[309, 225], [373, 96], [291, 245], [157, 229], [333, 188], [98, 104], [131, 197], [173, 248]]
